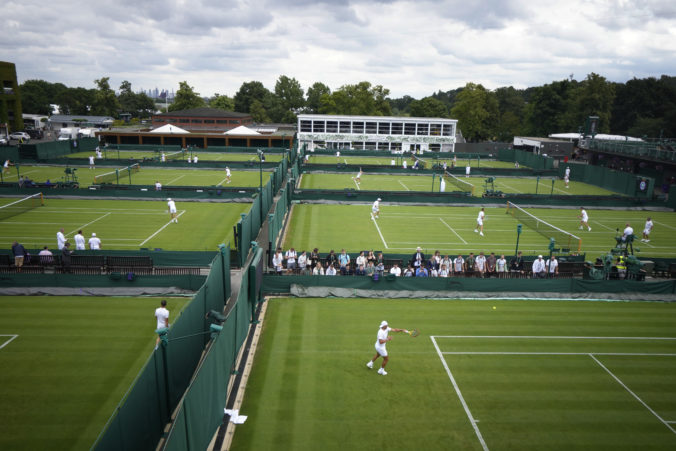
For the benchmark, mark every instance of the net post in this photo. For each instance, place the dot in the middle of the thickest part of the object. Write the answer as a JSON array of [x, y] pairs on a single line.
[[117, 176], [42, 200]]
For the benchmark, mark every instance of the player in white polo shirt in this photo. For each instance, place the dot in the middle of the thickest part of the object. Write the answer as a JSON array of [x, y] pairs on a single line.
[[381, 349], [375, 208], [584, 219], [162, 315], [172, 210]]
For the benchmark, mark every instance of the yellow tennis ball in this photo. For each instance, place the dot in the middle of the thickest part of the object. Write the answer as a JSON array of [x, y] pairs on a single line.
[[494, 307]]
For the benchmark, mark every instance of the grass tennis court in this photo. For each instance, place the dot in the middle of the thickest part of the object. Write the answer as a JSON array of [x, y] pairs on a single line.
[[124, 225], [426, 183], [67, 362], [387, 161], [145, 176], [202, 156], [400, 229], [532, 375]]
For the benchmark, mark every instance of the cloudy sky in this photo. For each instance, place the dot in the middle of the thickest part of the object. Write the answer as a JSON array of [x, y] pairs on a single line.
[[410, 47]]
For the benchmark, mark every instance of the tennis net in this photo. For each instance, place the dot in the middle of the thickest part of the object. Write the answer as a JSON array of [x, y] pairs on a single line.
[[113, 177], [564, 240], [180, 155], [21, 206], [462, 185]]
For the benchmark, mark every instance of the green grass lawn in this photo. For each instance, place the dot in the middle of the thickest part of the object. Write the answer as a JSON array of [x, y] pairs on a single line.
[[577, 386], [145, 176], [400, 229], [67, 362], [202, 156], [402, 182], [387, 161], [125, 225]]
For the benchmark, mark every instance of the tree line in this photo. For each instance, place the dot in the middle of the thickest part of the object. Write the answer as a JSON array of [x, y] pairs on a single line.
[[639, 107]]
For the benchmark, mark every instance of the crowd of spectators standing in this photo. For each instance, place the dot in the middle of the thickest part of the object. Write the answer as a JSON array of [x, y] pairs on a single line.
[[370, 263]]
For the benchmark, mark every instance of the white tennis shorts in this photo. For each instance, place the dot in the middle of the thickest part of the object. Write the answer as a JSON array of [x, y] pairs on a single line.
[[381, 349]]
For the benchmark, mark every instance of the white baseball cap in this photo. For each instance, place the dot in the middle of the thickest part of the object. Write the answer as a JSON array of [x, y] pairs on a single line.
[[93, 234], [383, 324], [169, 198], [379, 199], [539, 256]]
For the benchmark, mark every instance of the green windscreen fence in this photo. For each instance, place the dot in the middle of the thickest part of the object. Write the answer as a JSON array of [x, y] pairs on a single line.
[[138, 421], [201, 411], [617, 181]]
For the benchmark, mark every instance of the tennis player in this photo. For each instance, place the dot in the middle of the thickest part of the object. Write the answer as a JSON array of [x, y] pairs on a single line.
[[92, 164], [162, 315], [228, 174], [584, 219], [566, 180], [480, 222], [375, 209], [442, 184], [381, 349], [647, 228], [468, 168], [357, 178], [172, 210], [5, 167]]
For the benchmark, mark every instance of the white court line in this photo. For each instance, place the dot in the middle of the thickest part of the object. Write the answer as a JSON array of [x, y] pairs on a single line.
[[345, 160], [355, 182], [604, 226], [513, 189], [176, 179], [8, 341], [221, 182], [563, 191], [13, 174], [451, 229], [161, 228], [402, 184], [379, 233], [462, 400], [664, 225], [89, 223], [634, 394]]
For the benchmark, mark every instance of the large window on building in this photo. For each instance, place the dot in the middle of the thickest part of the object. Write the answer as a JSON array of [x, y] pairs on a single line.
[[306, 126], [371, 128], [383, 128], [409, 128], [345, 127], [318, 126], [383, 146], [435, 147], [331, 126], [449, 130], [435, 129], [370, 146], [395, 147], [358, 145], [357, 127], [397, 128], [423, 129]]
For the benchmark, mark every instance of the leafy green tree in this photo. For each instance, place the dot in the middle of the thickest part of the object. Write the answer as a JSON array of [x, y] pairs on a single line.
[[222, 102], [250, 92], [361, 99], [594, 98], [75, 100], [476, 110], [314, 94], [105, 101], [645, 107], [402, 106], [428, 107], [549, 109], [139, 105], [448, 97], [511, 108], [288, 99], [186, 98], [38, 95], [258, 112]]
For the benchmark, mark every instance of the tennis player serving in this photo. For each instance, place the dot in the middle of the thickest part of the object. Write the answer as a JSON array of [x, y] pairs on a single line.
[[381, 349]]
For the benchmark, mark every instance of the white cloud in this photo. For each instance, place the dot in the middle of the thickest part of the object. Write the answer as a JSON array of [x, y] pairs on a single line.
[[410, 47]]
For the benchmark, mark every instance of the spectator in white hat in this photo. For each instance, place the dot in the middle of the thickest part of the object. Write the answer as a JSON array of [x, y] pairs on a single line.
[[94, 242]]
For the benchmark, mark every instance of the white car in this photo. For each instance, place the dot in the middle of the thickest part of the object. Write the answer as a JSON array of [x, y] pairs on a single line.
[[19, 136], [3, 141]]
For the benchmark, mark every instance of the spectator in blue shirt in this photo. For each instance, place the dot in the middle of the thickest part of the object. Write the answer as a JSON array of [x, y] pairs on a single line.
[[421, 272]]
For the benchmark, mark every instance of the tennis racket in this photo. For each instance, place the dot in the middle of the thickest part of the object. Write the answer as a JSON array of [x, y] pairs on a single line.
[[413, 332]]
